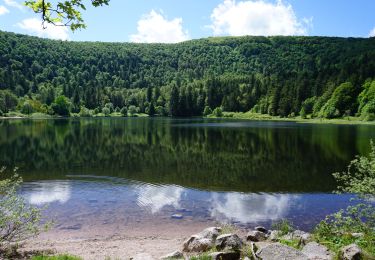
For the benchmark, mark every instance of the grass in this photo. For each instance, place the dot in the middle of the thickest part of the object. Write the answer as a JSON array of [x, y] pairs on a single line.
[[258, 116], [56, 257], [228, 229]]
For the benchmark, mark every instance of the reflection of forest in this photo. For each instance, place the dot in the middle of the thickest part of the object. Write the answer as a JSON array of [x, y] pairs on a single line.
[[273, 157]]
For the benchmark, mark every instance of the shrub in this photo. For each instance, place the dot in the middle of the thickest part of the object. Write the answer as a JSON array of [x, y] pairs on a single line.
[[132, 110], [27, 108], [218, 112], [18, 220], [61, 106], [207, 111], [124, 111], [284, 226], [106, 111], [85, 112]]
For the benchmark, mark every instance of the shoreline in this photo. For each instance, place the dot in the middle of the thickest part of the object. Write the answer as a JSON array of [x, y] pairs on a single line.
[[232, 116]]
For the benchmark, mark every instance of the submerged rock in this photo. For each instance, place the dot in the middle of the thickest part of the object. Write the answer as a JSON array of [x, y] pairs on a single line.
[[278, 251], [256, 236], [228, 242], [351, 252], [202, 241], [315, 251], [225, 256], [177, 216]]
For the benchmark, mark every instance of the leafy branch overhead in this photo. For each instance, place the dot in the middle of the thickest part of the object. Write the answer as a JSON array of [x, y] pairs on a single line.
[[64, 13]]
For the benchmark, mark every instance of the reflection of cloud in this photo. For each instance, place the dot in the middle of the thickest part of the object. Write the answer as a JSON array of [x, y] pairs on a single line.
[[249, 207], [156, 197], [50, 192]]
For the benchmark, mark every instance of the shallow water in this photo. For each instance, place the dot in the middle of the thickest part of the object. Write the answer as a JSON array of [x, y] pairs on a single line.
[[128, 171]]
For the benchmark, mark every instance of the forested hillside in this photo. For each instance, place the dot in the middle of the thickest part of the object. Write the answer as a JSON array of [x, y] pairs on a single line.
[[285, 76]]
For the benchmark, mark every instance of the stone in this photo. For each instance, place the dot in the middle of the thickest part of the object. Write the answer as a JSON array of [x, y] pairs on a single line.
[[350, 252], [274, 235], [225, 255], [202, 241], [278, 251], [315, 251], [357, 235], [256, 236], [177, 216], [173, 255], [261, 229], [228, 242], [142, 256], [303, 236]]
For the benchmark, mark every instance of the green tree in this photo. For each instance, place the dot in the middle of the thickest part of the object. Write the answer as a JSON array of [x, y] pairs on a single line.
[[106, 111], [61, 106], [27, 108], [151, 109], [174, 101], [62, 13], [218, 112]]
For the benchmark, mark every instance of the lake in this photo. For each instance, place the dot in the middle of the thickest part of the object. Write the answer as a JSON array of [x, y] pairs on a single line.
[[124, 172]]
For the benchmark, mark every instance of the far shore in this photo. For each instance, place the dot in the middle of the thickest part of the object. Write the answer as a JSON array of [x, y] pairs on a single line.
[[248, 116]]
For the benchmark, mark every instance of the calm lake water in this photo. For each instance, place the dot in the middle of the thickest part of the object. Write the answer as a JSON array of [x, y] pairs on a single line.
[[137, 170]]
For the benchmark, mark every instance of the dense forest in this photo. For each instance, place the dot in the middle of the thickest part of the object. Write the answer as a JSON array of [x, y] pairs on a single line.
[[282, 76]]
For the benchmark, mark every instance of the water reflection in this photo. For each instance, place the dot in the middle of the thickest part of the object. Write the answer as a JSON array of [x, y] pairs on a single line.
[[47, 192], [156, 197], [250, 207]]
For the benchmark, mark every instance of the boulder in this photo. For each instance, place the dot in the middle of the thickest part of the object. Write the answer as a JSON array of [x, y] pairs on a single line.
[[174, 255], [228, 242], [202, 241], [303, 236], [274, 235], [261, 229], [256, 236], [225, 256], [278, 251], [315, 251], [350, 252], [357, 235]]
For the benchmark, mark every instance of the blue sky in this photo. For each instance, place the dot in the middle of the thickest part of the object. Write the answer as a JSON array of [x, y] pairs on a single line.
[[175, 21]]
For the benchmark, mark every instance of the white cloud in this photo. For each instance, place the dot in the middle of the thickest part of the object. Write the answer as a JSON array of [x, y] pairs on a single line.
[[3, 10], [47, 192], [15, 4], [257, 17], [157, 197], [34, 26], [154, 27], [372, 33]]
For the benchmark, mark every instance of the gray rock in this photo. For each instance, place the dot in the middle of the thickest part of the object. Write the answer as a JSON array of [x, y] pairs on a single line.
[[350, 252], [278, 251], [303, 236], [274, 235], [315, 251], [142, 256], [256, 236], [228, 242], [357, 235], [174, 255], [202, 241], [225, 256]]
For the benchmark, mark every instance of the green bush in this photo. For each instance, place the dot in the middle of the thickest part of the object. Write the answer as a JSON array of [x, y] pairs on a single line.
[[27, 108], [284, 226], [56, 257], [207, 111], [124, 111], [18, 220], [61, 106], [218, 112], [106, 111]]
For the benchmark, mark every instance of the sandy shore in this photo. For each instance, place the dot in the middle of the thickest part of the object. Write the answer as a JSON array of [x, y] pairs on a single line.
[[156, 239]]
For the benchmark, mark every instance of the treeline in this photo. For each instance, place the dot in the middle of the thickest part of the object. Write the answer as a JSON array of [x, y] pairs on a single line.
[[282, 76]]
